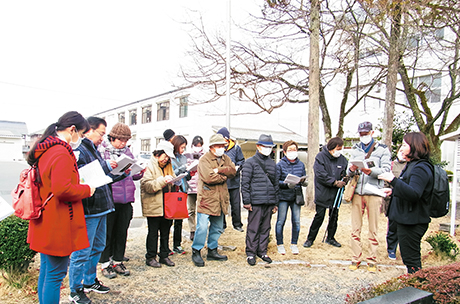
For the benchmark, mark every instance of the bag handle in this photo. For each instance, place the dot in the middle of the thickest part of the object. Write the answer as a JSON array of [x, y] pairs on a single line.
[[370, 151]]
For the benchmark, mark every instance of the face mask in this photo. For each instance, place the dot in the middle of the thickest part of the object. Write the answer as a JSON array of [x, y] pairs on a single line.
[[401, 157], [197, 149], [337, 153], [291, 155], [75, 144], [366, 139], [219, 152], [266, 151]]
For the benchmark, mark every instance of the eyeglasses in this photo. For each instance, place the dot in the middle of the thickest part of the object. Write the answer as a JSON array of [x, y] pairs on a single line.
[[101, 134]]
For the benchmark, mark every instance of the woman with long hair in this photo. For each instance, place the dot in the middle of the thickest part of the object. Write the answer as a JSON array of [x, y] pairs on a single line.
[[410, 203], [61, 229]]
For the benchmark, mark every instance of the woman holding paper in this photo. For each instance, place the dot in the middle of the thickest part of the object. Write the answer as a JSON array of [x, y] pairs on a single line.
[[123, 196], [409, 205], [156, 181], [61, 229], [289, 164]]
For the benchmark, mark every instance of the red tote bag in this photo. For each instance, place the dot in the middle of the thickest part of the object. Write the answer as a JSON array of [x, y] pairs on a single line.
[[175, 205]]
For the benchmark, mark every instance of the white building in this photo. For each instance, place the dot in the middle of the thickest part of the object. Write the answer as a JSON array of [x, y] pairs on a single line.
[[12, 140]]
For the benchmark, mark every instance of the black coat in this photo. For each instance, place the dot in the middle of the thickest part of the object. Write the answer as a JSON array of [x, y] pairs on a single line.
[[327, 169], [256, 187], [409, 204], [285, 167]]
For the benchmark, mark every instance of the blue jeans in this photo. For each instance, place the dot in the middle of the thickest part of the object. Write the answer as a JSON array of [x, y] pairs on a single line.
[[83, 263], [295, 219], [216, 228], [52, 271]]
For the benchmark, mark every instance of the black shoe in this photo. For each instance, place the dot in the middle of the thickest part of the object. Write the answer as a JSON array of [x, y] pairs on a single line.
[[333, 243], [214, 255], [96, 287], [239, 229], [265, 258], [251, 260], [152, 263], [192, 235], [307, 244], [196, 258], [79, 297], [125, 259], [167, 262]]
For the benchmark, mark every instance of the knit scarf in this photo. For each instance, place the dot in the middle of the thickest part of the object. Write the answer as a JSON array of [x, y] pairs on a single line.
[[114, 151], [51, 141]]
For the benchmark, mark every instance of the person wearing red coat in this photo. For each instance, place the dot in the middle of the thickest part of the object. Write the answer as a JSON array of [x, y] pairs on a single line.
[[61, 229]]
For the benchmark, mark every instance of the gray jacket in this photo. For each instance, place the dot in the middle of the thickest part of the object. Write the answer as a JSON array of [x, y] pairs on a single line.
[[382, 159]]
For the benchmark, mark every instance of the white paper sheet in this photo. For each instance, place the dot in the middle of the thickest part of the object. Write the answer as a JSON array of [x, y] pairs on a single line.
[[5, 209], [366, 163], [374, 190], [178, 178], [193, 165], [93, 175], [125, 162], [293, 179]]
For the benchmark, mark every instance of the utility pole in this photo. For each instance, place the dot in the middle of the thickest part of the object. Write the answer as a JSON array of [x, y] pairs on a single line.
[[227, 76]]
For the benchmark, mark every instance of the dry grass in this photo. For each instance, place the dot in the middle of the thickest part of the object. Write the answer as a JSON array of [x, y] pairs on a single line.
[[185, 283]]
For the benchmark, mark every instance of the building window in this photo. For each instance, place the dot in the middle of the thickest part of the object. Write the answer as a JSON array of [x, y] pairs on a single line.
[[121, 117], [163, 111], [147, 114], [431, 84], [145, 145], [132, 117], [183, 107]]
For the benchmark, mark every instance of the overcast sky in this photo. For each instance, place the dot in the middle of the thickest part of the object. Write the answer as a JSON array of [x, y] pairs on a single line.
[[57, 56]]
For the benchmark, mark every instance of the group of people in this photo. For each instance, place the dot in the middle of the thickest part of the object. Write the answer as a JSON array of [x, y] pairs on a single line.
[[90, 224]]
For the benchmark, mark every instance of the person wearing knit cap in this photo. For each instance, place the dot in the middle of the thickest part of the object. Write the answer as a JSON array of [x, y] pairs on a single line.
[[168, 134], [233, 184], [123, 196]]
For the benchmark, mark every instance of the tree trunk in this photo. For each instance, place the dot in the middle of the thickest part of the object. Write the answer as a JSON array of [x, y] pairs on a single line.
[[313, 104]]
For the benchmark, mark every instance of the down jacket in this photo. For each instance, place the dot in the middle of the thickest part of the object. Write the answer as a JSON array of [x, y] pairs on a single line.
[[237, 157], [327, 169], [285, 167], [122, 191], [382, 159], [258, 188], [212, 192], [152, 184]]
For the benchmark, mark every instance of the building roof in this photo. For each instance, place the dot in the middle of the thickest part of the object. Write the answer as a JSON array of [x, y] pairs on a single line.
[[279, 137], [451, 136], [14, 129]]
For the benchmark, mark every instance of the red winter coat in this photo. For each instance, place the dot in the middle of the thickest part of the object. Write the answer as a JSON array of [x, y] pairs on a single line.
[[61, 229]]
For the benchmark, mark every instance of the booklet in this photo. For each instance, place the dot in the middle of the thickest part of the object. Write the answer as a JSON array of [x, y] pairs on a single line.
[[294, 179], [5, 209], [178, 178], [93, 175], [193, 165], [365, 163], [125, 162], [374, 190]]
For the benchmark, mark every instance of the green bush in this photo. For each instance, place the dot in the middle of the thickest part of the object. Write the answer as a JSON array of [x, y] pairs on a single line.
[[443, 246], [15, 253]]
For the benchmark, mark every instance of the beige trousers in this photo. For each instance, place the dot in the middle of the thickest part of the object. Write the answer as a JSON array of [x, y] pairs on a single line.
[[360, 203]]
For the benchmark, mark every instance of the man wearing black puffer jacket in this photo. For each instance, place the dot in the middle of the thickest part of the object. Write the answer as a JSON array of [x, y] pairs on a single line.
[[259, 188]]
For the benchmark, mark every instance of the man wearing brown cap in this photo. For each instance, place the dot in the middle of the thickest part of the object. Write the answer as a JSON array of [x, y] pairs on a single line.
[[364, 198], [214, 168]]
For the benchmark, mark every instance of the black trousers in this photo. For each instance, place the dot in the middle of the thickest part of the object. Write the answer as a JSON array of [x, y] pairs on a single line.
[[318, 221], [258, 230], [155, 225], [117, 232], [410, 237], [177, 237], [392, 236], [235, 207]]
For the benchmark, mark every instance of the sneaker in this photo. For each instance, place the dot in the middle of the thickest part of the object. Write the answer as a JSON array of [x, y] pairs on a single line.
[[125, 259], [392, 255], [179, 250], [281, 249], [307, 244], [239, 229], [109, 272], [371, 267], [294, 249], [170, 252], [121, 269], [79, 297], [96, 287], [266, 259], [251, 260], [333, 243], [354, 265]]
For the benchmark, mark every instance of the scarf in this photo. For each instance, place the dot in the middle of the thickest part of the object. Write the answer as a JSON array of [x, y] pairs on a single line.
[[51, 141], [114, 151]]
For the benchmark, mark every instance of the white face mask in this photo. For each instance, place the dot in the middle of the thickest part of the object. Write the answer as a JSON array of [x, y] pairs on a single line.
[[365, 139], [266, 151], [401, 157], [219, 152], [75, 144], [291, 155], [197, 149], [337, 153]]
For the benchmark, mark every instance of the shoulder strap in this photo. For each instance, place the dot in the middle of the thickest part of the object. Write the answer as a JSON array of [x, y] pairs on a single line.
[[370, 150], [263, 169]]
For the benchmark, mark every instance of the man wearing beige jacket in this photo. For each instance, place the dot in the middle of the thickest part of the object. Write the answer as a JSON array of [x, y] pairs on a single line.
[[214, 169]]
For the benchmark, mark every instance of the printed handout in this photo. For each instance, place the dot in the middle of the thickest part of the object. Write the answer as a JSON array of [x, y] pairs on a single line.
[[366, 163], [5, 209], [294, 179], [125, 162], [93, 175]]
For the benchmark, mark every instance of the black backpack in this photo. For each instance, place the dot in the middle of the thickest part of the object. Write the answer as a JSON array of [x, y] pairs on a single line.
[[440, 194]]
